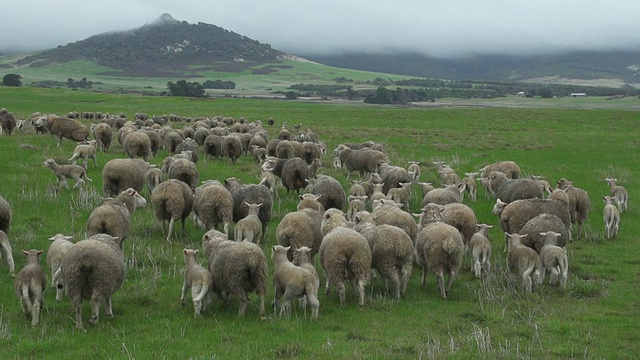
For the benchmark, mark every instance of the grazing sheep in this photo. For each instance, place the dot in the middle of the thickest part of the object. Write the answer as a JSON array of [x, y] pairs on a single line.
[[172, 201], [523, 261], [250, 193], [270, 181], [93, 269], [480, 248], [543, 183], [446, 174], [213, 205], [540, 223], [58, 248], [7, 121], [249, 228], [137, 144], [200, 135], [611, 217], [5, 215], [425, 187], [171, 140], [401, 195], [64, 172], [198, 279], [392, 176], [64, 128], [30, 284], [509, 190], [554, 259], [293, 172], [232, 147], [447, 195], [85, 152], [579, 203], [103, 134], [461, 217], [302, 228], [331, 192], [292, 281], [310, 152], [113, 217], [470, 183], [364, 161], [619, 193], [185, 171], [121, 174], [345, 255], [390, 213], [188, 144], [259, 154], [8, 255], [376, 195], [154, 176], [514, 216], [414, 169], [356, 204], [237, 268], [510, 168], [212, 147], [357, 189]]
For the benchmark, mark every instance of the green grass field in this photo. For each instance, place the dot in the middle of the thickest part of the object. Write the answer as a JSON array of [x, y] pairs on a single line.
[[595, 317]]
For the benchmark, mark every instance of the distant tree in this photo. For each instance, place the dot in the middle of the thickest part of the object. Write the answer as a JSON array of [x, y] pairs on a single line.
[[545, 93], [291, 95], [218, 84], [184, 88], [12, 80]]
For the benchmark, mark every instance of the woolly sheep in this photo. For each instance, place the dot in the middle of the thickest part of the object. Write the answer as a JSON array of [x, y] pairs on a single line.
[[153, 177], [5, 215], [356, 204], [579, 203], [376, 195], [30, 284], [185, 171], [259, 154], [425, 187], [253, 193], [345, 255], [154, 140], [331, 192], [196, 278], [285, 149], [470, 182], [310, 152], [401, 195], [293, 172], [58, 248], [364, 161], [270, 181], [414, 169], [103, 134], [188, 144], [446, 195], [113, 217], [509, 190], [137, 144], [540, 223], [357, 189], [619, 193], [611, 217], [302, 228], [232, 147], [7, 121], [237, 268], [64, 172], [510, 168], [171, 140], [461, 217], [554, 259], [439, 248], [392, 176], [8, 255], [480, 248], [213, 205], [172, 201], [212, 147], [514, 216], [93, 269], [292, 281], [121, 174], [85, 152], [200, 135], [524, 262], [446, 174], [390, 213], [249, 228], [64, 128]]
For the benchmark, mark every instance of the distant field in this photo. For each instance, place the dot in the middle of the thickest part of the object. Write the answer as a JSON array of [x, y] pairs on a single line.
[[595, 317]]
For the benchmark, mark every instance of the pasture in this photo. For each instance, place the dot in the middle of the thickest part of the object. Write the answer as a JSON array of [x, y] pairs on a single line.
[[595, 317]]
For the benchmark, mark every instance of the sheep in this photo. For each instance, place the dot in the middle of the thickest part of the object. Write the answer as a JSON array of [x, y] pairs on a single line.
[[303, 257], [185, 171], [336, 163], [611, 217], [188, 144], [540, 223], [85, 152], [480, 248], [254, 193], [619, 193], [64, 172], [554, 259], [446, 174], [461, 217], [414, 169], [509, 190], [249, 228], [7, 121], [376, 195], [331, 192], [64, 128], [270, 181], [425, 188], [486, 184], [259, 153], [232, 147], [153, 177], [344, 255], [198, 279], [401, 195], [509, 168], [356, 204], [524, 261], [172, 201], [292, 281], [58, 248], [302, 228], [390, 213], [446, 195], [201, 134], [357, 189], [237, 268], [391, 253], [310, 151], [293, 172], [438, 248], [471, 186], [364, 161], [543, 183], [30, 284], [392, 176], [5, 215], [579, 203], [514, 216], [113, 217], [8, 255], [93, 269], [212, 146], [103, 134], [213, 205], [121, 174], [137, 144], [285, 149], [171, 140]]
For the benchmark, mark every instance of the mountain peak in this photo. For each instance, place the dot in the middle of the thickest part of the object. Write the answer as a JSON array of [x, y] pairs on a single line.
[[164, 19]]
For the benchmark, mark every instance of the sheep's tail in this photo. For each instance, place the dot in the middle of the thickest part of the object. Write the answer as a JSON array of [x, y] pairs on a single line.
[[203, 292], [564, 265], [449, 245]]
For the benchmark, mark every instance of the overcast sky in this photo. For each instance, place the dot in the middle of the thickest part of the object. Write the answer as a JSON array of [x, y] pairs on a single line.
[[438, 28]]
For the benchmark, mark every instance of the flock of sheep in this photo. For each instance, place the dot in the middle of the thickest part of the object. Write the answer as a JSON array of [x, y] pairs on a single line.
[[367, 227]]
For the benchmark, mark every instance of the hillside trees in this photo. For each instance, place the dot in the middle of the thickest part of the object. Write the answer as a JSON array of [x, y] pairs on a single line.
[[184, 88], [12, 80]]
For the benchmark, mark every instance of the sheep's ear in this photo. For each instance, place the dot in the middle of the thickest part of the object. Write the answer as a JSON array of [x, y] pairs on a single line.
[[523, 235], [25, 252], [507, 235], [53, 237], [287, 248], [39, 252], [273, 249], [489, 226], [184, 251], [327, 216], [300, 197], [543, 233], [416, 215]]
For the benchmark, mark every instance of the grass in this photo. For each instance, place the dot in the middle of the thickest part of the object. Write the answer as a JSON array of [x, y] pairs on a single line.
[[595, 317]]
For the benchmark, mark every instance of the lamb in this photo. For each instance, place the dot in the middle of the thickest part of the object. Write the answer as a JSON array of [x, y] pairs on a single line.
[[331, 192], [232, 148], [213, 205], [470, 183], [356, 204], [137, 144], [345, 255], [540, 223], [113, 217], [57, 250], [357, 189], [7, 121], [619, 193], [401, 195], [425, 187], [64, 128], [486, 184], [64, 172], [153, 177], [302, 228], [8, 255], [198, 279], [249, 228], [270, 181], [390, 213], [85, 152], [514, 216], [237, 268], [611, 217], [438, 248], [480, 248], [509, 190], [414, 170], [93, 269], [292, 281], [579, 203], [254, 193], [172, 201], [509, 168], [103, 134], [376, 195], [121, 174], [5, 215], [524, 261], [391, 253], [30, 284], [303, 257], [554, 259], [446, 195], [446, 174]]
